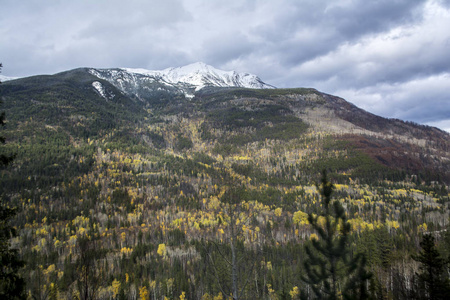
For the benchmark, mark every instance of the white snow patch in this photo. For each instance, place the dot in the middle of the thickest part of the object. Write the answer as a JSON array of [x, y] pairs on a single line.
[[100, 89]]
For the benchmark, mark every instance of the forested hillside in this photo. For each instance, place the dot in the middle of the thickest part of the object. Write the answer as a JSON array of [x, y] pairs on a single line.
[[157, 195]]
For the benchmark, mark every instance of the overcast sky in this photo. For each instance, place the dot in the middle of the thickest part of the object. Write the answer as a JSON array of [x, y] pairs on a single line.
[[390, 57]]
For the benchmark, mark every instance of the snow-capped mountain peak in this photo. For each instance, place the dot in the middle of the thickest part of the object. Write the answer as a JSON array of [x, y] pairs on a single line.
[[185, 80], [201, 75]]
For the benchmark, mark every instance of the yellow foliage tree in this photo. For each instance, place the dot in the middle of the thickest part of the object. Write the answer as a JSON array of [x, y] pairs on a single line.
[[278, 212], [162, 251], [295, 293], [183, 296], [115, 285], [300, 218], [218, 297], [272, 293], [143, 293], [207, 297]]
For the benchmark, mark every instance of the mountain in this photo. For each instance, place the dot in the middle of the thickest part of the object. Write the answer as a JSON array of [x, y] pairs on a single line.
[[135, 181], [187, 79], [201, 75], [88, 101], [6, 78]]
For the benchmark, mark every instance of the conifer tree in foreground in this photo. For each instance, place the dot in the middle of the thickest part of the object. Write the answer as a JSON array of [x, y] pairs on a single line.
[[433, 284], [330, 269], [11, 284]]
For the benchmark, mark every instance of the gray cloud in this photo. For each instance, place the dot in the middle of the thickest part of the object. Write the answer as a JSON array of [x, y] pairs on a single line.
[[422, 100], [227, 47], [389, 57]]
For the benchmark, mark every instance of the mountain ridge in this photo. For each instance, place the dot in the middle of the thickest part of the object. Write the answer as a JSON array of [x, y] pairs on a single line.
[[187, 79], [201, 75]]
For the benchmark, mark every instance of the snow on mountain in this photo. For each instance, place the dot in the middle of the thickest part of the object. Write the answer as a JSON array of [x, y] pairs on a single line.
[[184, 80], [136, 84], [6, 78], [201, 75], [101, 90]]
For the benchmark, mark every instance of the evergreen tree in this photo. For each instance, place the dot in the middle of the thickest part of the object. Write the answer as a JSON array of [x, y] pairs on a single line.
[[432, 281], [11, 284], [444, 248], [89, 271], [330, 270], [4, 159]]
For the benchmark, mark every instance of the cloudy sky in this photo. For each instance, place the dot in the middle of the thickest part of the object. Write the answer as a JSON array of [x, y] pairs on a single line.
[[390, 57]]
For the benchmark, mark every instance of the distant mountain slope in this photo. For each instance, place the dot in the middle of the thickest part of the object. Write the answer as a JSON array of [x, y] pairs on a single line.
[[69, 99], [92, 103], [396, 144]]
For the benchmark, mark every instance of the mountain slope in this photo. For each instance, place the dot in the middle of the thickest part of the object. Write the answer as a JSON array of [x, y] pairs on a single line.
[[393, 143], [89, 102]]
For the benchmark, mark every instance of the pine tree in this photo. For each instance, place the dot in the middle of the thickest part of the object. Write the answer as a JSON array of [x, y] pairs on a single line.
[[11, 284], [432, 280], [4, 159], [330, 270], [356, 286], [89, 272]]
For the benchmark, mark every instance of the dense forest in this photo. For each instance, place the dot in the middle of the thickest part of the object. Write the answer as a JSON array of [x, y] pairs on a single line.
[[222, 196]]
